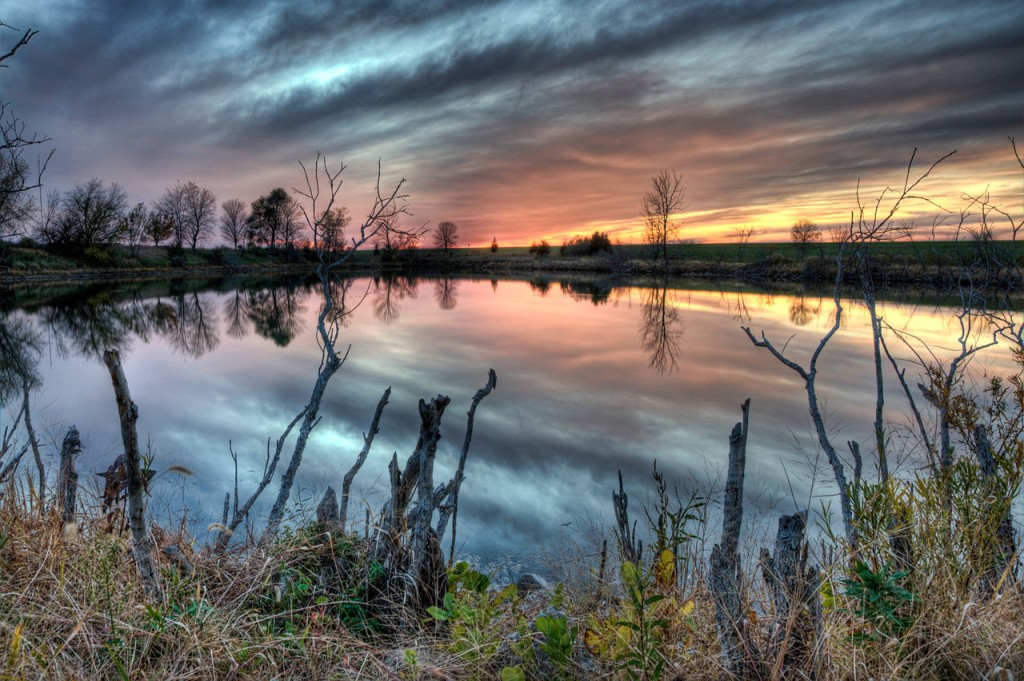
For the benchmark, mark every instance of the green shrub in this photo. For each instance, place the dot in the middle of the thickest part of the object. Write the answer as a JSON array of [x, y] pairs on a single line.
[[596, 243], [100, 255], [176, 256], [541, 248], [223, 255]]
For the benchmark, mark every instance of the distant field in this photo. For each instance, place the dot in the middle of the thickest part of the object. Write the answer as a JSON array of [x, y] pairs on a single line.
[[783, 260], [925, 252]]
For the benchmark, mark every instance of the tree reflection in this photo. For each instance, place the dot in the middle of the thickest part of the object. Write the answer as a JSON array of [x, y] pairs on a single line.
[[389, 291], [90, 327], [598, 291], [236, 313], [446, 293], [661, 329], [194, 332], [275, 313], [739, 310], [541, 285], [801, 313], [339, 313], [20, 348]]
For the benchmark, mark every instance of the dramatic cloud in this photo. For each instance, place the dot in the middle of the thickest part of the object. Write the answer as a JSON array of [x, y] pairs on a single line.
[[530, 119]]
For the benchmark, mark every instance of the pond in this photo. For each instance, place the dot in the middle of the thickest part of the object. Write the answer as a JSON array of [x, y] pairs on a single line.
[[593, 378]]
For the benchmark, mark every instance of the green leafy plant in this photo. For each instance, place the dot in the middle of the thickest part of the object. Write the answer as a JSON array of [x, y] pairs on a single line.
[[879, 599], [515, 673], [558, 641], [643, 660], [469, 611]]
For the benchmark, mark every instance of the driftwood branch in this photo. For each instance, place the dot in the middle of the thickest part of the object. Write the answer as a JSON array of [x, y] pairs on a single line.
[[346, 483], [809, 376], [451, 509], [129, 414]]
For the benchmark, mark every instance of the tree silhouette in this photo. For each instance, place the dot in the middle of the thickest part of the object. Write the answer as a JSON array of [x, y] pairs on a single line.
[[659, 205], [804, 232], [446, 235], [232, 221]]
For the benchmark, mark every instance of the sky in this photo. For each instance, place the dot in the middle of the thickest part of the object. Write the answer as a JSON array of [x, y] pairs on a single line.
[[523, 119]]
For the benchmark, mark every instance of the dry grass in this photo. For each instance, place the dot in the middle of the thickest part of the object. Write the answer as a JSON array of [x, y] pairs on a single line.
[[71, 607]]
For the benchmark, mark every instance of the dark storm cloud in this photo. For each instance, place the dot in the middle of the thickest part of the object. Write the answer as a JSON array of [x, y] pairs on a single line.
[[481, 104]]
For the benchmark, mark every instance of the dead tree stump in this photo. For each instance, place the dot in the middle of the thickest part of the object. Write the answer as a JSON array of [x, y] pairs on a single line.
[[327, 510], [67, 477], [739, 653], [794, 590]]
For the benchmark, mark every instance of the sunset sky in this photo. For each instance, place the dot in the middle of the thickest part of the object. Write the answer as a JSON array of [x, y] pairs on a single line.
[[523, 120]]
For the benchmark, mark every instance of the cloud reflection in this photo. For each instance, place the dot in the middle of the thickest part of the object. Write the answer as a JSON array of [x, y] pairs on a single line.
[[580, 395]]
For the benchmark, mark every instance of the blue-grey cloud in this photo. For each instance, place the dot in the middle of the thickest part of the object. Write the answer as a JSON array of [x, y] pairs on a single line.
[[534, 117]]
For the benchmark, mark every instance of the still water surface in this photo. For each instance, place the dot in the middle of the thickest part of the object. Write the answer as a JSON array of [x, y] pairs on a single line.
[[592, 379]]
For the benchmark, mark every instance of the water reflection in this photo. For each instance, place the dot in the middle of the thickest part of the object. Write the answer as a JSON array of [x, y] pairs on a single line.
[[661, 328], [194, 325], [598, 291], [801, 312], [541, 285], [389, 291], [20, 349], [276, 313], [590, 371], [446, 293], [97, 323]]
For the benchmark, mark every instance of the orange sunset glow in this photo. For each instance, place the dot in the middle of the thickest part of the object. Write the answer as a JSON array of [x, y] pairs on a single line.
[[522, 121]]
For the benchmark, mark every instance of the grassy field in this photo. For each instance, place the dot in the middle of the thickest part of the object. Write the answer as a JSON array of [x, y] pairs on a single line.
[[895, 262]]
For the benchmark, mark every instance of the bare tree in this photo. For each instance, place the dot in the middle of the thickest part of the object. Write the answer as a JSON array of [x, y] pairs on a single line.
[[200, 213], [446, 235], [22, 42], [133, 227], [90, 215], [658, 208], [17, 179], [743, 235], [804, 232], [232, 221], [870, 225], [321, 193], [171, 205], [393, 237]]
